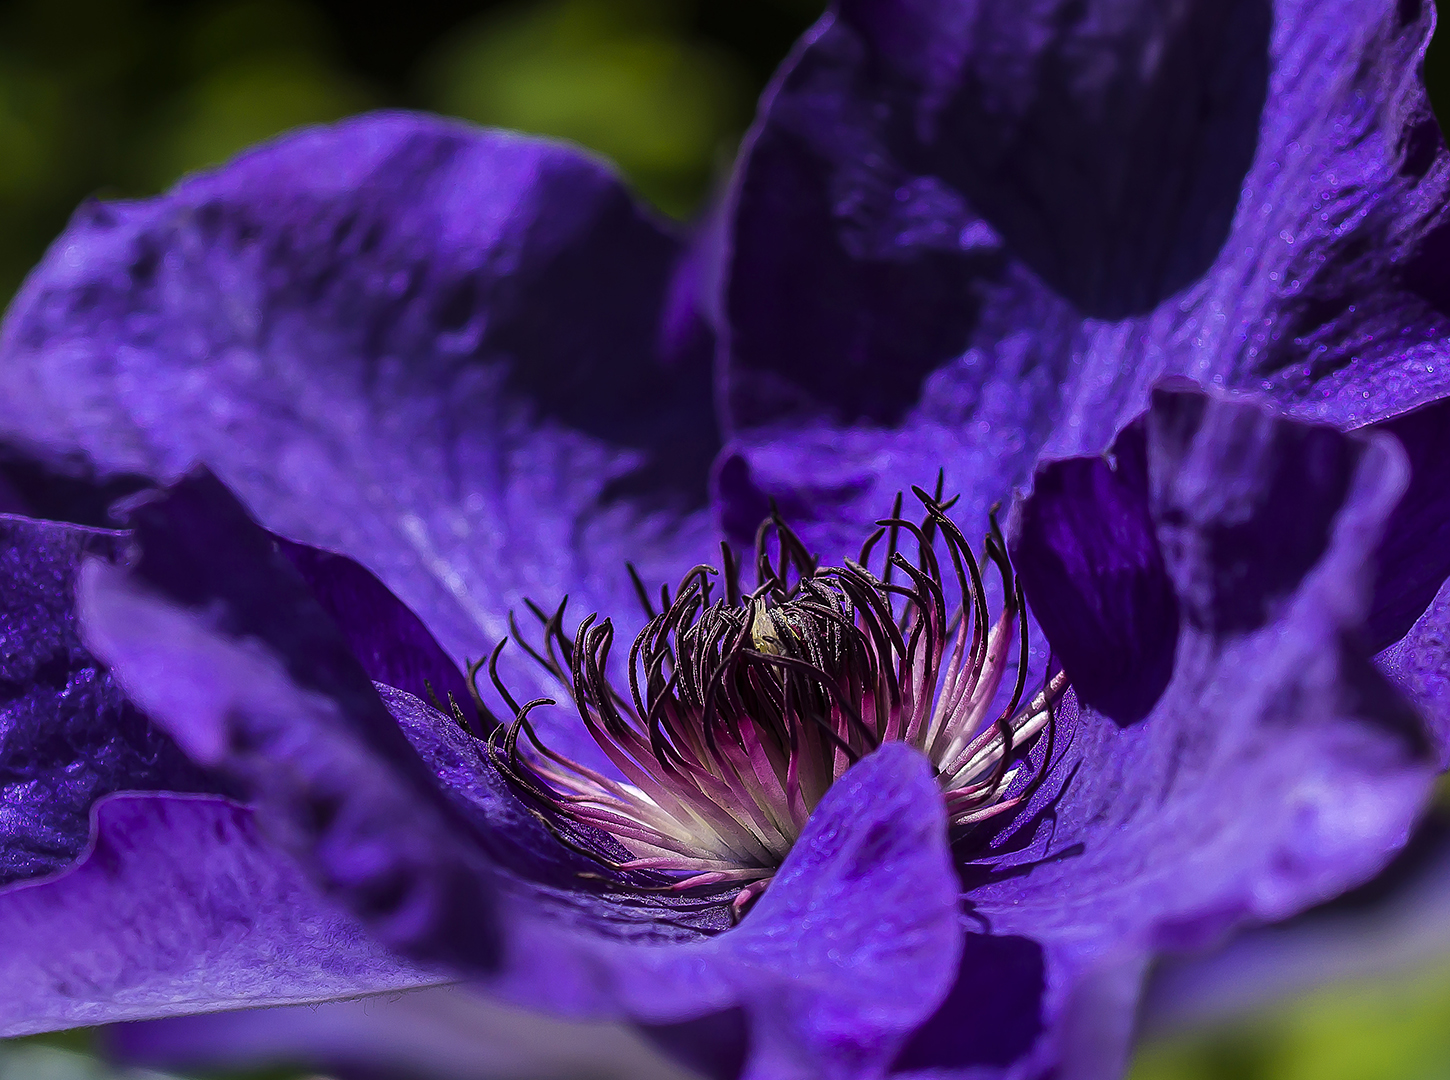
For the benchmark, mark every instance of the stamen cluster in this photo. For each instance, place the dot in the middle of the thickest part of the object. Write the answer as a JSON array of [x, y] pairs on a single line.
[[743, 710]]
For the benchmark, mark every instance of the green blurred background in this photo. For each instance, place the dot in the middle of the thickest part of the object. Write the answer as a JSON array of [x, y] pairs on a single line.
[[120, 97]]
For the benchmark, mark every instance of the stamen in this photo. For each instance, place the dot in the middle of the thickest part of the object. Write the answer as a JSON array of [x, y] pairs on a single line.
[[743, 710]]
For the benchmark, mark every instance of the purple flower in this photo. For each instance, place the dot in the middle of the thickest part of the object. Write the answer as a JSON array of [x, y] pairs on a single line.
[[979, 239]]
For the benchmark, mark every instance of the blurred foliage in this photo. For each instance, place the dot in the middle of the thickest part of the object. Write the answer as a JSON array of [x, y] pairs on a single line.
[[37, 1061], [74, 1055], [619, 76], [121, 97], [1391, 1028], [249, 69]]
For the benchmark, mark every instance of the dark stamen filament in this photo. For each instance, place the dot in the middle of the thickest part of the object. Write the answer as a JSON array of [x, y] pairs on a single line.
[[742, 711]]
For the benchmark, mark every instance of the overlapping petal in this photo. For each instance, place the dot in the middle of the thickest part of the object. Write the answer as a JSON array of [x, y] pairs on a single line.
[[125, 898], [1140, 840], [1419, 664], [179, 906], [966, 235], [460, 357], [395, 811], [1396, 924], [68, 736], [216, 637]]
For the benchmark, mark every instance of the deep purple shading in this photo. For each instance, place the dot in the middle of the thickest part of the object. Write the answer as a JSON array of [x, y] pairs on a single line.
[[390, 642], [1077, 279], [39, 490], [828, 351], [1419, 664], [184, 627], [68, 736], [1088, 556], [867, 890], [910, 147], [1061, 124], [1234, 560], [743, 505], [180, 907], [991, 1016], [283, 333], [439, 350], [853, 945], [1414, 557], [850, 948], [713, 1046], [1138, 840], [1409, 558], [503, 826]]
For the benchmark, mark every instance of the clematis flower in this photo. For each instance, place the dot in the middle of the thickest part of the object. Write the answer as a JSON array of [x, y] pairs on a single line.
[[839, 823]]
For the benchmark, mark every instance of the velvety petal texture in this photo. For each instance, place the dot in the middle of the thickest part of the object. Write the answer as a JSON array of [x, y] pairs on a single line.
[[68, 736], [395, 811], [966, 234], [389, 640], [1139, 839], [216, 636], [460, 357], [178, 906], [1088, 554], [1414, 556]]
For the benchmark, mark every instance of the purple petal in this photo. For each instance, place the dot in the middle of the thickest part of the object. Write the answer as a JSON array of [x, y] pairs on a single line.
[[968, 235], [389, 640], [992, 1015], [1414, 556], [1277, 767], [857, 940], [216, 637], [1106, 143], [1090, 563], [54, 492], [513, 836], [213, 633], [178, 907], [854, 944], [1112, 616], [67, 735], [446, 1033], [438, 350]]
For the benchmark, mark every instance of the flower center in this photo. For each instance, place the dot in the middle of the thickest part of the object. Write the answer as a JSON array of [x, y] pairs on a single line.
[[742, 710]]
